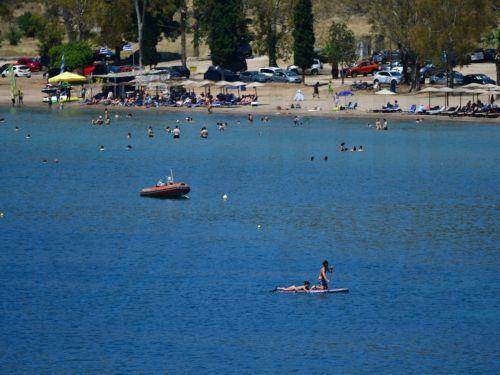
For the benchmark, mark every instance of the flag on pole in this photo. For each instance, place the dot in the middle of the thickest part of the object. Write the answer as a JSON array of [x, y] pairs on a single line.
[[62, 63], [127, 47], [104, 51], [13, 83]]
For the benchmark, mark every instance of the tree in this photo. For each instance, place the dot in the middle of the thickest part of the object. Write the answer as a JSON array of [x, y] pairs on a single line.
[[340, 47], [451, 41], [272, 24], [492, 40], [114, 26], [30, 24], [227, 30], [398, 25], [303, 35], [76, 55], [140, 12], [50, 35], [78, 16]]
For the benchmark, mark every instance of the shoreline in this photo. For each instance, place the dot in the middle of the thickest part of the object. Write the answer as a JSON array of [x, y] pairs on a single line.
[[265, 110]]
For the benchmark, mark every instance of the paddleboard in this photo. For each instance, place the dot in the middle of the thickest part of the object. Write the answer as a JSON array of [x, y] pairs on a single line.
[[319, 291]]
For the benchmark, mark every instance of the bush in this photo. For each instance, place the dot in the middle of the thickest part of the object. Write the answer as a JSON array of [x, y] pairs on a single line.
[[76, 55], [13, 35], [31, 25]]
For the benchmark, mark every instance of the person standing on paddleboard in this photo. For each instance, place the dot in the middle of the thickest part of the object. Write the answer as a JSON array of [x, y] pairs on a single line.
[[322, 279]]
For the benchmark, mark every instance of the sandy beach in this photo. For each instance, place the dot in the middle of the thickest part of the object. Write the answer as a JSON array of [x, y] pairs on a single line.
[[277, 98]]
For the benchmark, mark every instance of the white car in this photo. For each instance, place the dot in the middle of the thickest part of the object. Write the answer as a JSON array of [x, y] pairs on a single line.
[[315, 69], [19, 71], [270, 71], [386, 77]]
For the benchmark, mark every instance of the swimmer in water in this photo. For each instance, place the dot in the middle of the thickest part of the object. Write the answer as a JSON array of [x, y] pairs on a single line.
[[129, 115], [360, 148], [129, 147], [117, 115], [168, 130], [44, 161], [101, 148], [312, 158], [325, 158], [204, 132], [129, 135], [2, 119], [28, 136], [177, 132], [353, 149], [56, 161], [16, 128]]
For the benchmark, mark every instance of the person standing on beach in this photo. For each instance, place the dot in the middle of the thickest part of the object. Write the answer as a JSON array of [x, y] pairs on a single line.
[[13, 99], [316, 90], [330, 88], [20, 97], [250, 118]]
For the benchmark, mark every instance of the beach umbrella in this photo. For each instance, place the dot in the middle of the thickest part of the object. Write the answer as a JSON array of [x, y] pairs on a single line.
[[473, 86], [446, 91], [345, 94], [460, 91], [237, 85], [490, 86], [429, 90], [254, 85], [385, 92], [67, 77]]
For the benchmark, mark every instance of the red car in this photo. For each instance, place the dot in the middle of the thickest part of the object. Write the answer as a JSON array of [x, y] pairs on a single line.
[[362, 68], [33, 64]]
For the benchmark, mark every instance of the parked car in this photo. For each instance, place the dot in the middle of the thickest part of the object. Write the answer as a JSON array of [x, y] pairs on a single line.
[[489, 55], [182, 70], [173, 73], [286, 76], [34, 65], [440, 78], [482, 79], [4, 67], [19, 71], [315, 69], [387, 77], [362, 68], [216, 73], [270, 70], [253, 76], [426, 71]]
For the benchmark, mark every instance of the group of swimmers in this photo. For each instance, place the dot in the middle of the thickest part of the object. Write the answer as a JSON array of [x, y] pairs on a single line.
[[380, 125], [106, 120], [344, 148], [323, 281]]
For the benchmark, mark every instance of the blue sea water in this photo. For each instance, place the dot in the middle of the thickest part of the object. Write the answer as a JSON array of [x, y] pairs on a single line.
[[95, 279]]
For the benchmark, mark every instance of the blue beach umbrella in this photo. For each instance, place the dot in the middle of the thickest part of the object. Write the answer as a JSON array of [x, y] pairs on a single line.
[[345, 94]]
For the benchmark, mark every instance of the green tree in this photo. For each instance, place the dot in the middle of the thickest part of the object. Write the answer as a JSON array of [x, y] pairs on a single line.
[[50, 35], [340, 47], [272, 25], [30, 24], [76, 55], [13, 35], [227, 30], [492, 40], [465, 22], [114, 25], [398, 25], [303, 35], [78, 16]]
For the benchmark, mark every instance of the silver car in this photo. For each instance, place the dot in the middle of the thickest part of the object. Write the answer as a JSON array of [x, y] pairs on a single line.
[[387, 77], [286, 76]]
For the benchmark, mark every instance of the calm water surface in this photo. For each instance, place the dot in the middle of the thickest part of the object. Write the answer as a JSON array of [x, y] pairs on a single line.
[[95, 279]]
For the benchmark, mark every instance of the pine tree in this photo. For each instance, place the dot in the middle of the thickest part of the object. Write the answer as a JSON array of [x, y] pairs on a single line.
[[303, 35], [227, 30]]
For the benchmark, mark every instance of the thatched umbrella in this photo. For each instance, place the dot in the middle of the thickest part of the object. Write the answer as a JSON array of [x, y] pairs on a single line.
[[429, 90]]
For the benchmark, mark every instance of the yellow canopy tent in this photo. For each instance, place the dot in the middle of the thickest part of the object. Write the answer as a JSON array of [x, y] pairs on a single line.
[[67, 77]]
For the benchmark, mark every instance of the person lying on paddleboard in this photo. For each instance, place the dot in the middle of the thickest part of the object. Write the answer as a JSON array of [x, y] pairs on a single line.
[[303, 288], [322, 279]]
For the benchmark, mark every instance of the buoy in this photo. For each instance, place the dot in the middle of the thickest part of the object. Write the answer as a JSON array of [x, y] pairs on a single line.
[[1, 215], [259, 226], [225, 197]]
